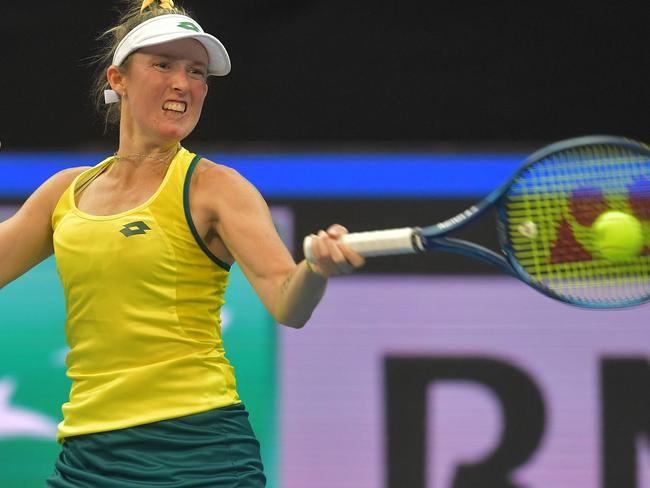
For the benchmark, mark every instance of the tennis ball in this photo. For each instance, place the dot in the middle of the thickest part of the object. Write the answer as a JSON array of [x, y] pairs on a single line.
[[618, 236]]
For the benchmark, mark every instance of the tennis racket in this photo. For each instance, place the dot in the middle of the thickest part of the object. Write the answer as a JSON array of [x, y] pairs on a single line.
[[546, 223]]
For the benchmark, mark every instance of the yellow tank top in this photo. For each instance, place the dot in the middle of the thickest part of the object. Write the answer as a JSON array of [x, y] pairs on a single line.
[[143, 296]]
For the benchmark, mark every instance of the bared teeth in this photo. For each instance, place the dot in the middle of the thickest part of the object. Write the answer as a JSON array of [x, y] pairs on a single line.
[[175, 106]]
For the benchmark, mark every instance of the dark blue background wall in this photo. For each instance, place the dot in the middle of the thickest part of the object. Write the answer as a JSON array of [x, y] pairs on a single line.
[[363, 71]]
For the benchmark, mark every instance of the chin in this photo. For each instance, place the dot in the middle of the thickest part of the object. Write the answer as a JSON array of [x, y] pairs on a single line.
[[174, 128], [174, 133]]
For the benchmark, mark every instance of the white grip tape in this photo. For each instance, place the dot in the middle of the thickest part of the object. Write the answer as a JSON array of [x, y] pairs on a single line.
[[374, 243]]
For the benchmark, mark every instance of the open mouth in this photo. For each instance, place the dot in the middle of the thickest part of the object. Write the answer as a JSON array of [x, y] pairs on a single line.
[[178, 107]]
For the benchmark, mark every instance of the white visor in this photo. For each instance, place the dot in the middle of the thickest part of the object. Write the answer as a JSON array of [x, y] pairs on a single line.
[[170, 27]]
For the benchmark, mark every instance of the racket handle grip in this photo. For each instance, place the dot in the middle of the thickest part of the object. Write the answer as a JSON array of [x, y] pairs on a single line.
[[377, 242]]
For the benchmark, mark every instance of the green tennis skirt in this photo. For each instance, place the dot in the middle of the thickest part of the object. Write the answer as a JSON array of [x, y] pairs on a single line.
[[214, 449]]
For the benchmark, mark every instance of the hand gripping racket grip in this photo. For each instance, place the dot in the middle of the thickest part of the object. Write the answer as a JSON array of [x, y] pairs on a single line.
[[406, 240]]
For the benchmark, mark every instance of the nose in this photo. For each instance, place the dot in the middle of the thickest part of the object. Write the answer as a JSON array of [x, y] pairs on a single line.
[[180, 81]]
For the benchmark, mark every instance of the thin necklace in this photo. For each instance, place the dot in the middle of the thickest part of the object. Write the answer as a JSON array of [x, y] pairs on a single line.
[[136, 156]]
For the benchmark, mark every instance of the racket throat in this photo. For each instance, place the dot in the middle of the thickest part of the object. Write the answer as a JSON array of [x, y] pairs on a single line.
[[417, 241], [466, 248]]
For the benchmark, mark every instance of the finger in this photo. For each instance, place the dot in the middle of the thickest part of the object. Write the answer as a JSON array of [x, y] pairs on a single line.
[[334, 258], [336, 231], [333, 247], [331, 256], [319, 249], [344, 259], [322, 254], [354, 258], [315, 263]]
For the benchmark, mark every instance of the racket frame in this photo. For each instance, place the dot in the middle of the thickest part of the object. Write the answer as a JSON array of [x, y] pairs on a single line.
[[433, 237]]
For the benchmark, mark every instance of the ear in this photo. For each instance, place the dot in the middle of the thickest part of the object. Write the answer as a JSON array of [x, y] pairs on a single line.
[[116, 79]]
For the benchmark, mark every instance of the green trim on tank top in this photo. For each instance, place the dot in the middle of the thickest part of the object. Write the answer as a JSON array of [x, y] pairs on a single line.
[[188, 215]]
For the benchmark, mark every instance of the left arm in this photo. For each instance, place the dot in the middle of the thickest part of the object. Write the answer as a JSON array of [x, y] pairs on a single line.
[[241, 218]]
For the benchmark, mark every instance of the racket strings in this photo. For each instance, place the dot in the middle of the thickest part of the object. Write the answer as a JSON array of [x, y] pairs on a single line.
[[551, 208]]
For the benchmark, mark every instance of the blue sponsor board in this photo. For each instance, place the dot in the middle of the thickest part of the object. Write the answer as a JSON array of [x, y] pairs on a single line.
[[317, 175]]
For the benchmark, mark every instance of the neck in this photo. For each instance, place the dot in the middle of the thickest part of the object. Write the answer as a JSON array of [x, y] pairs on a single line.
[[140, 145], [154, 153], [153, 160]]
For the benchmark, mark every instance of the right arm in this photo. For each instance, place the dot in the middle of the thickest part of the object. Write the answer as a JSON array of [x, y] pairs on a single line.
[[26, 237]]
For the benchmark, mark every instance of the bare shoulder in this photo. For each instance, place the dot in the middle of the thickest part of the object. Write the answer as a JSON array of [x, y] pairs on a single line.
[[219, 191], [40, 205], [58, 182], [220, 179], [49, 193], [66, 176]]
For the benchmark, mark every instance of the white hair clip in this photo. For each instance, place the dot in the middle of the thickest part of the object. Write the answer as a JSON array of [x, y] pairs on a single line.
[[111, 96]]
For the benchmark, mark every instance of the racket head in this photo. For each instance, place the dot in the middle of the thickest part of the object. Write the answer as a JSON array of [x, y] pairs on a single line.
[[546, 213]]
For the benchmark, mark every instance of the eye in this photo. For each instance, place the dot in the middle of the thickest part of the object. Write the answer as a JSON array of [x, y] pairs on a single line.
[[162, 65], [198, 73]]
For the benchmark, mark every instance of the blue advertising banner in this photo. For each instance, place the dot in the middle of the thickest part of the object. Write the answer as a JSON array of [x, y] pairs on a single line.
[[291, 175]]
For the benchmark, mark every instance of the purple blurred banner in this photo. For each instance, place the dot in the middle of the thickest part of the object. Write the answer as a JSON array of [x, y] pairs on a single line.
[[333, 409]]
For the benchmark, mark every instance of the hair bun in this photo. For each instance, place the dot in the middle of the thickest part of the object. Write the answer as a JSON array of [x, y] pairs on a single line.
[[151, 4]]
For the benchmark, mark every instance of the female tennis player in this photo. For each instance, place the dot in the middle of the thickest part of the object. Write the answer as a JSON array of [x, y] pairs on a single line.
[[143, 243]]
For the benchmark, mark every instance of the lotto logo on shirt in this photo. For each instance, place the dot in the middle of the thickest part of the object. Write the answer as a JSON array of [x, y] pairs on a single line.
[[135, 228]]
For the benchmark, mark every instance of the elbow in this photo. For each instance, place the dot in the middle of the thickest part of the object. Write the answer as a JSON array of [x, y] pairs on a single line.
[[294, 325], [293, 322]]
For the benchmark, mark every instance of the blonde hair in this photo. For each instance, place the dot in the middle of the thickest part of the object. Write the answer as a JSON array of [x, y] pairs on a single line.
[[132, 14]]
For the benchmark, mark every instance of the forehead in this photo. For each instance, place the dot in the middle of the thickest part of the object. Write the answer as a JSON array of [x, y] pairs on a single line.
[[185, 49]]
